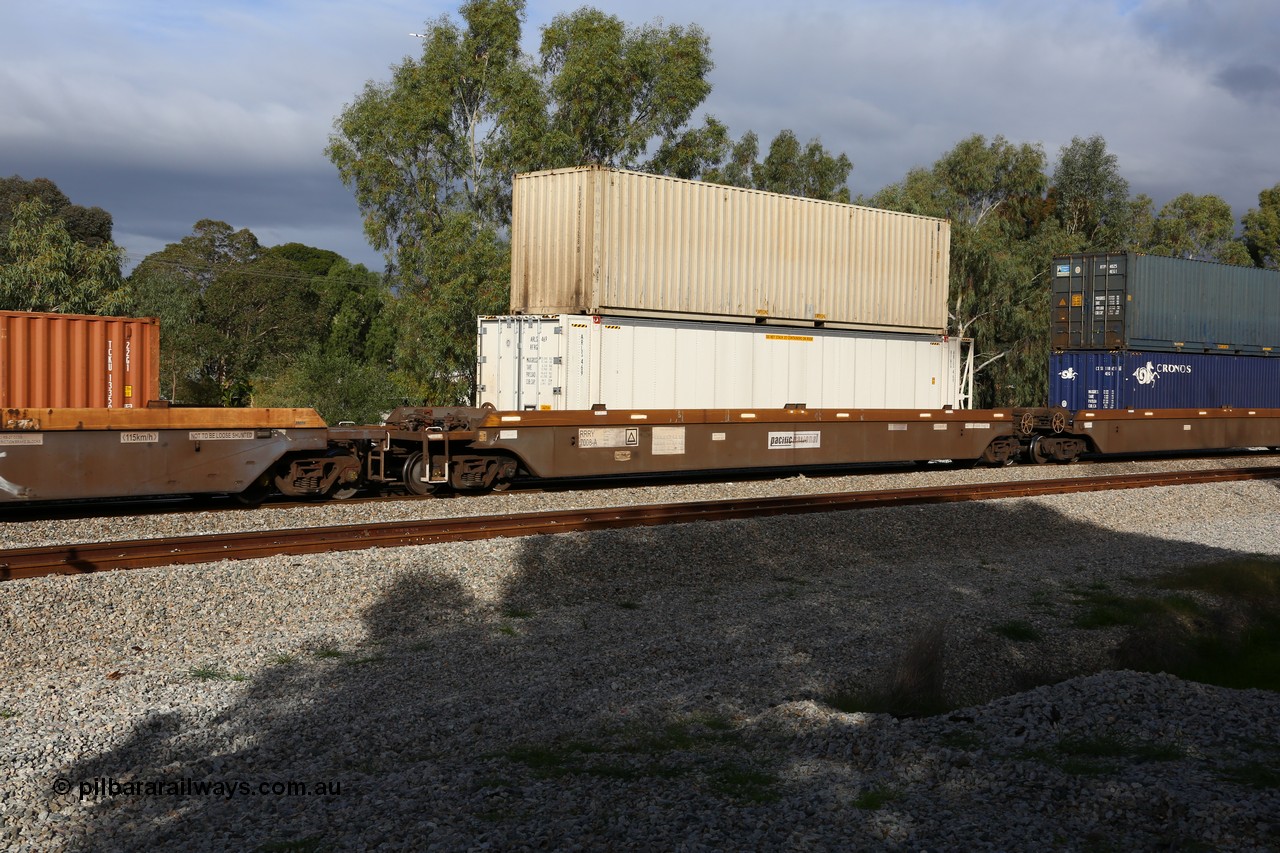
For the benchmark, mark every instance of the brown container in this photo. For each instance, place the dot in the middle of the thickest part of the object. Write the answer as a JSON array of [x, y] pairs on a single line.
[[56, 361]]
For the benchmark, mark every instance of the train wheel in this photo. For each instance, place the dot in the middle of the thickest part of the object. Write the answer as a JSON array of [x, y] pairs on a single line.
[[414, 472], [256, 492], [1037, 452]]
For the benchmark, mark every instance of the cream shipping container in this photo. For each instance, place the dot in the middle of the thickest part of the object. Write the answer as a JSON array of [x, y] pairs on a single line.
[[603, 241], [60, 361], [572, 361]]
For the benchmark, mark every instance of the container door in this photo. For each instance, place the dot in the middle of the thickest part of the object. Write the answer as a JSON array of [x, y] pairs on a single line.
[[1090, 293]]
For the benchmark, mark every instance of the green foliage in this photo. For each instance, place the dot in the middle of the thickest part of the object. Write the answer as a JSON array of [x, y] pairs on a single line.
[[1261, 236], [1230, 639], [789, 168], [44, 268], [1090, 197], [88, 225], [1001, 246], [1198, 227], [430, 155], [313, 262], [612, 91], [228, 311], [466, 270], [246, 325], [339, 388], [1018, 630]]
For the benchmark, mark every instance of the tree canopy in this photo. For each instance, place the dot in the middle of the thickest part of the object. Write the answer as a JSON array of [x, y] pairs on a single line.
[[55, 255]]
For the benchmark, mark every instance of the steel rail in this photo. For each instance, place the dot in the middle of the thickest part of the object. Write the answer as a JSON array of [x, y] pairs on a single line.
[[84, 558]]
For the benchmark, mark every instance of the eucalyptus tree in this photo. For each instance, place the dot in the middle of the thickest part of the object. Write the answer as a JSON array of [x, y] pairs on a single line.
[[1200, 227], [1091, 198], [430, 153], [1001, 242], [55, 255], [44, 268], [1261, 236], [229, 312]]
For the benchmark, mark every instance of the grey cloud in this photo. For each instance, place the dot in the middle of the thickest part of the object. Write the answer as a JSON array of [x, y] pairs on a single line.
[[1251, 82]]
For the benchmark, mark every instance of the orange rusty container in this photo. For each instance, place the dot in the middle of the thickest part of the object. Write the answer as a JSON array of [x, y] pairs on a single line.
[[57, 361]]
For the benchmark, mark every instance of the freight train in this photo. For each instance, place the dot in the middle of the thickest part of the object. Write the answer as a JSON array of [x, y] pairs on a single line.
[[72, 454]]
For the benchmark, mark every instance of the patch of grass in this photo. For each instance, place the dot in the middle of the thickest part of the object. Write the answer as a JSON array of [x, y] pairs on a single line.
[[516, 613], [212, 673], [681, 748], [913, 688], [1109, 610], [1019, 631], [507, 630], [1097, 755], [744, 783], [1247, 579], [1233, 641], [1109, 746], [327, 652], [284, 660], [6, 714], [628, 605], [876, 797], [1255, 774]]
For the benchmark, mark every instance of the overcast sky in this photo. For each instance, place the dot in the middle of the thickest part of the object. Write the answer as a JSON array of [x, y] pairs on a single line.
[[165, 112]]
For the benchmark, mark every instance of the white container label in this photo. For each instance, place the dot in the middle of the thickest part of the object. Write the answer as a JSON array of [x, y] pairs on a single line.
[[589, 437], [507, 434], [668, 441], [977, 426], [23, 440], [897, 427], [794, 440], [139, 437], [221, 435]]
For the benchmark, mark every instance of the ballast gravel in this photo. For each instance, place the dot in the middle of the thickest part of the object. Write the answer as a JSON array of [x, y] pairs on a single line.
[[662, 688]]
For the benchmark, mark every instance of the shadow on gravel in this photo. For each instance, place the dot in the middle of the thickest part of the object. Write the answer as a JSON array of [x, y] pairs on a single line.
[[628, 690]]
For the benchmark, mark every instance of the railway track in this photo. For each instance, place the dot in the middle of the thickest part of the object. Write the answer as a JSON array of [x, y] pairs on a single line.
[[86, 558]]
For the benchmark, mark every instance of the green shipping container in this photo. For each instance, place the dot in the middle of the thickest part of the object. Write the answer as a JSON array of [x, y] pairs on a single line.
[[1128, 301]]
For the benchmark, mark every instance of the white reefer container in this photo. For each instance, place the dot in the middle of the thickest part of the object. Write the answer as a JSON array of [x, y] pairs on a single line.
[[573, 361], [604, 241]]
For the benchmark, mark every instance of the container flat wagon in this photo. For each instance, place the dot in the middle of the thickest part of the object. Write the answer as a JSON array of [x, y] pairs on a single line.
[[568, 362], [83, 454], [70, 454]]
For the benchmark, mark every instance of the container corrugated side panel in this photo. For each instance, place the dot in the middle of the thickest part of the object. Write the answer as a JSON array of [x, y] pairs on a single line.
[[1162, 380], [594, 240], [1206, 306], [78, 361]]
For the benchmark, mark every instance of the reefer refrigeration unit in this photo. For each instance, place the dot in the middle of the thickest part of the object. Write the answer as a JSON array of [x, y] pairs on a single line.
[[1162, 380], [59, 361], [605, 241], [573, 361], [1128, 301]]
